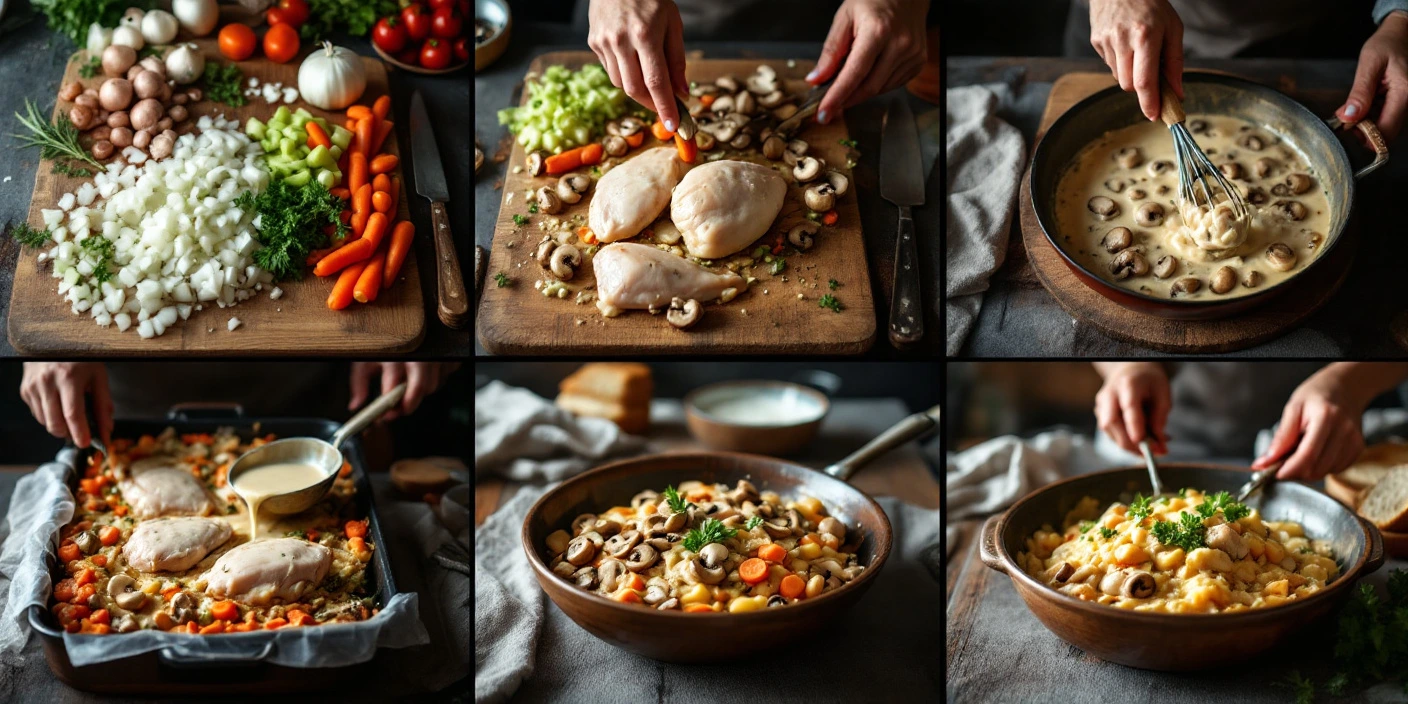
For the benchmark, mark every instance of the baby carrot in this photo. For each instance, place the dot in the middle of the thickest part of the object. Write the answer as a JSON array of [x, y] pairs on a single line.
[[366, 136], [381, 182], [385, 162], [225, 610], [317, 137], [362, 199], [357, 175], [214, 627], [359, 112], [396, 253], [591, 154], [376, 229], [687, 149], [383, 128], [381, 201], [341, 295], [340, 192], [358, 251], [636, 139], [382, 107], [369, 283], [359, 223], [395, 192]]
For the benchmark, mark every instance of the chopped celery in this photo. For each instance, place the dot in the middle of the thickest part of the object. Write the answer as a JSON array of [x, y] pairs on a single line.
[[254, 128], [282, 114], [341, 136], [300, 178], [321, 157], [565, 109], [327, 179]]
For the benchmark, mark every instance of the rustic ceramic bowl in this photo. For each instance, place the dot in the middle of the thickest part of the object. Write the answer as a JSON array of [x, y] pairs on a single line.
[[782, 436], [1140, 639], [1220, 94], [675, 636]]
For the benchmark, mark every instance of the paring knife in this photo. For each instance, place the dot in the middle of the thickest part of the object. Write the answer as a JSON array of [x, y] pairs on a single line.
[[430, 182], [902, 183], [789, 127]]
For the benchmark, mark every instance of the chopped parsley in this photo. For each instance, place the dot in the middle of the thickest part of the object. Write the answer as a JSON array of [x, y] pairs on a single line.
[[1183, 493], [291, 222], [63, 167], [1186, 534], [91, 68], [710, 531], [533, 207], [829, 301], [1085, 526], [851, 143], [296, 534], [520, 220], [224, 83], [834, 284], [753, 522], [502, 280], [1108, 533], [596, 171], [1140, 509], [1222, 501], [101, 247], [676, 502], [778, 265], [28, 236]]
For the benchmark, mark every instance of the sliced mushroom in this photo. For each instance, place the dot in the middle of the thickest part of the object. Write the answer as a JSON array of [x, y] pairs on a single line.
[[564, 262], [1160, 167], [1129, 157], [183, 608], [564, 569], [581, 550], [669, 604], [665, 541], [613, 127], [800, 236], [1226, 538], [87, 541], [1280, 256], [547, 200], [585, 577], [1292, 209], [123, 590], [1252, 142], [1251, 279], [1149, 215], [777, 527], [743, 492], [583, 523], [1257, 196], [1138, 585], [713, 554], [645, 497], [676, 521], [1129, 263], [606, 527], [537, 162], [641, 557], [820, 196], [772, 100], [839, 182], [696, 572], [1117, 239], [543, 255], [620, 544], [722, 104], [704, 141], [125, 623], [571, 187], [1264, 166], [1116, 185], [609, 572], [798, 148], [807, 169], [629, 125], [741, 140], [615, 145], [1185, 285], [763, 81], [744, 103], [1298, 183], [1103, 207], [1231, 169], [1165, 266], [1223, 280], [1137, 194], [1063, 573], [727, 83], [722, 131], [684, 314], [655, 594], [700, 90], [784, 111], [557, 541], [832, 526], [774, 146]]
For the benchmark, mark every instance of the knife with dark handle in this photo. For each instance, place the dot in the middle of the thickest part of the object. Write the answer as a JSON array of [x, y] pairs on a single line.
[[430, 182], [902, 183]]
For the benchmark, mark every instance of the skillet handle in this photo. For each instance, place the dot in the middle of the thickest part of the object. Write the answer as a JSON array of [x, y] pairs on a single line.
[[234, 655], [1375, 138], [901, 433], [987, 545], [1375, 546]]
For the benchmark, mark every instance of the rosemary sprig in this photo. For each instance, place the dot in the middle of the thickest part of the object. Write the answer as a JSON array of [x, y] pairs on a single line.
[[56, 141], [28, 236]]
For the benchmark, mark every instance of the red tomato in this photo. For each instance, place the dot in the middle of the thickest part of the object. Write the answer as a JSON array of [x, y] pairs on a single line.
[[445, 23], [462, 49], [417, 21], [281, 43], [435, 54], [437, 4], [294, 12], [237, 41], [389, 34]]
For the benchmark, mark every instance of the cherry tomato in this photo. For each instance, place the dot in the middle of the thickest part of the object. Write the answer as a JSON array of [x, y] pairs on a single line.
[[462, 49], [237, 41], [281, 43], [389, 34], [435, 54], [294, 12], [410, 55], [445, 23], [437, 4], [417, 21]]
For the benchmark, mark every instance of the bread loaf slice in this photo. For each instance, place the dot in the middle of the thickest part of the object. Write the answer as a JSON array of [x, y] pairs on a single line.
[[1386, 504]]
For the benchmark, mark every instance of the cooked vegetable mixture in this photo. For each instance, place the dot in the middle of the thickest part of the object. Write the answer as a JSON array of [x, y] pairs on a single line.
[[706, 548], [160, 541]]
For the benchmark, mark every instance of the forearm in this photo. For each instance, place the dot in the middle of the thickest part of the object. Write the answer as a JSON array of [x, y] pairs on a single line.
[[1358, 383]]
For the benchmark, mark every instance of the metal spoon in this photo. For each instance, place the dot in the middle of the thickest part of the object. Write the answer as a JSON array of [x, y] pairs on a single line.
[[1153, 470]]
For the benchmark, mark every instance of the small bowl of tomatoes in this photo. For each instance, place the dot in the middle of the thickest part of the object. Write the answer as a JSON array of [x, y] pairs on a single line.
[[430, 36]]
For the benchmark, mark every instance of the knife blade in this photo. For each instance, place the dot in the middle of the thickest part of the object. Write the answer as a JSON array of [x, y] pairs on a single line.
[[789, 127], [902, 183], [425, 154]]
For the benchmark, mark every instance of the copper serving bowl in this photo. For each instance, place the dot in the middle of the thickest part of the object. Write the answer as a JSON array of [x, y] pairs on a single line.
[[675, 636], [1218, 94], [1141, 639]]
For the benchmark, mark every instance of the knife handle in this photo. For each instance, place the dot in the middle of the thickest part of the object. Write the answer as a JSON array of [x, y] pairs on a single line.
[[906, 311], [454, 302]]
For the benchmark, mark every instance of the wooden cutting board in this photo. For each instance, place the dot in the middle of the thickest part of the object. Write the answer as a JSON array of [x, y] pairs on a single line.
[[770, 318], [1267, 321], [299, 323]]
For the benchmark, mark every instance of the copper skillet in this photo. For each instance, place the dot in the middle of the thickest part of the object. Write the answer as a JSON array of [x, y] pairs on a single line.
[[674, 636], [1140, 639]]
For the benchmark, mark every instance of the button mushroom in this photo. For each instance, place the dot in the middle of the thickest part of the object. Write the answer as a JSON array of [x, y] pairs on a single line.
[[615, 145], [831, 526], [1292, 209], [1231, 169], [744, 103], [124, 592], [1128, 263], [1252, 142], [544, 256], [772, 100], [571, 187], [547, 200], [183, 608], [1297, 184], [606, 527], [1103, 207], [1137, 194], [1149, 215], [585, 577], [1251, 279], [800, 236], [1117, 239], [1129, 157], [581, 550], [655, 594], [807, 169], [838, 181], [125, 623], [564, 569], [798, 148], [1160, 167], [676, 521], [537, 162], [684, 314], [557, 541], [1116, 185], [1165, 266], [1257, 196], [642, 557], [1281, 257], [1264, 166], [763, 80], [620, 544], [564, 262], [1063, 573], [664, 541], [1226, 538], [1185, 285], [1138, 585], [1223, 280], [609, 572], [774, 146], [645, 497], [743, 492], [722, 104], [629, 125], [741, 140], [87, 541], [820, 197], [1111, 582], [727, 83]]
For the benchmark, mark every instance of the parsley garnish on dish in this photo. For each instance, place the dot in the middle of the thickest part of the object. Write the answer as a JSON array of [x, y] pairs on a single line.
[[676, 502], [710, 531], [753, 522]]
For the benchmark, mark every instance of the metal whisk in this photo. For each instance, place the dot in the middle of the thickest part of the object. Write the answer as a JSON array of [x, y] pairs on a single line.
[[1194, 167]]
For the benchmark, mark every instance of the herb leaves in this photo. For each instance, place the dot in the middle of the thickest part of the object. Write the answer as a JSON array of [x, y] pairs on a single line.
[[291, 224], [710, 531]]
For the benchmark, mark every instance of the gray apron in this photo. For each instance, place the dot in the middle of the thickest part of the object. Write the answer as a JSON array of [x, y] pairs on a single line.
[[1221, 406], [1220, 29], [745, 20]]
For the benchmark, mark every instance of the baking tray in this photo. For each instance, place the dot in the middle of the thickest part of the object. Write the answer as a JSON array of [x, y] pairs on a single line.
[[246, 669]]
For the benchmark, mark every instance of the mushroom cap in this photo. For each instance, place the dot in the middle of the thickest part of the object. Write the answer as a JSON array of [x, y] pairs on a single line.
[[1223, 280], [1118, 238], [1149, 214], [571, 187], [1280, 256], [839, 181], [774, 146], [820, 196], [1103, 207], [807, 169], [1129, 262], [564, 262], [1165, 266], [537, 162], [548, 200], [1187, 284], [1138, 585], [800, 236], [684, 313]]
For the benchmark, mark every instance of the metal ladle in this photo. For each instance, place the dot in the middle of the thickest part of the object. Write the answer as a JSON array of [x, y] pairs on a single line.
[[322, 454]]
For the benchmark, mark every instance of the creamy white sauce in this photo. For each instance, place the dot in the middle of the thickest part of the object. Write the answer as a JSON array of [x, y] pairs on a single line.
[[762, 408], [260, 483]]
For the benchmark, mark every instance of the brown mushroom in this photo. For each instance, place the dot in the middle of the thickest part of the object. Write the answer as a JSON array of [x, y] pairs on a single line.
[[1280, 256], [609, 572], [774, 146], [1063, 573], [1160, 167], [1116, 239], [571, 187], [1292, 209], [684, 314], [1103, 207], [1165, 266], [1149, 215], [1186, 285], [1231, 169], [1117, 185], [743, 492], [1298, 183], [537, 162], [642, 557], [801, 234], [1251, 279], [1226, 538], [1257, 196], [832, 526], [581, 550], [620, 544], [820, 196], [1138, 584], [839, 182], [547, 200], [1137, 194], [1264, 166], [806, 170], [1223, 280], [615, 145], [1129, 157], [741, 140], [583, 523], [1129, 262], [1252, 142], [564, 262]]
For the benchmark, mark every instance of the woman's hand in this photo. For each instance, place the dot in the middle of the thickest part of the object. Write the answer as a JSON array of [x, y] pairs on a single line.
[[1133, 400], [422, 379], [1137, 39], [641, 44], [1383, 65], [54, 393], [881, 43]]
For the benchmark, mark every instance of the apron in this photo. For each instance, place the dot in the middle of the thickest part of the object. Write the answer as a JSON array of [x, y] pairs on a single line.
[[1220, 29], [745, 20]]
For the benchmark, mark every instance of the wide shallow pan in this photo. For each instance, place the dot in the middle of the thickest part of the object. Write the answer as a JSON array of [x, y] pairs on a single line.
[[246, 668], [1140, 639], [674, 636], [1217, 94]]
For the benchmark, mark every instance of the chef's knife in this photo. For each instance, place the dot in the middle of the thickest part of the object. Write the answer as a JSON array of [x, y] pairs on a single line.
[[430, 182], [789, 127], [902, 183]]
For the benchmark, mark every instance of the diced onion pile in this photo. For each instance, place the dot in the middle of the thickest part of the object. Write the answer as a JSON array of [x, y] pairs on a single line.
[[178, 240]]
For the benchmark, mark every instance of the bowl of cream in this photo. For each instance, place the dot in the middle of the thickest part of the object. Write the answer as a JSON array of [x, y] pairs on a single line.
[[763, 417]]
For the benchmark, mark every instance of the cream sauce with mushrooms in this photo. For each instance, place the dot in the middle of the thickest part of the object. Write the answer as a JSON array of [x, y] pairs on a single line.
[[1103, 169]]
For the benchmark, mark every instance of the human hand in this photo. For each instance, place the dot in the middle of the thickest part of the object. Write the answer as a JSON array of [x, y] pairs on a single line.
[[1137, 38], [1120, 406], [881, 43], [1383, 65], [1319, 430], [54, 393], [422, 379], [641, 45]]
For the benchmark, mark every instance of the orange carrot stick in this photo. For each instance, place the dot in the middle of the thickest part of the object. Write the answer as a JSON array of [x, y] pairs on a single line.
[[592, 153], [359, 223], [383, 128], [358, 112], [369, 283], [341, 295], [636, 139], [343, 193], [366, 137], [386, 162], [687, 149], [396, 251], [382, 107], [317, 137], [362, 199], [358, 251], [381, 201], [376, 228], [381, 182], [357, 175]]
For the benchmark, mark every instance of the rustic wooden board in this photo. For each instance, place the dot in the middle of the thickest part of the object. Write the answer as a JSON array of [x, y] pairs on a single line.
[[1267, 321], [299, 323], [517, 319]]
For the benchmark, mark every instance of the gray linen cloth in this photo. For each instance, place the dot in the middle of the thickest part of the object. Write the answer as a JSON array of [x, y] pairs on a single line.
[[891, 635], [523, 437], [985, 157]]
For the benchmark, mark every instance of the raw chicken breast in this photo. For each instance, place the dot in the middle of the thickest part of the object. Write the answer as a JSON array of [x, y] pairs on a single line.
[[164, 490], [724, 206], [631, 195], [261, 571], [636, 276], [174, 544]]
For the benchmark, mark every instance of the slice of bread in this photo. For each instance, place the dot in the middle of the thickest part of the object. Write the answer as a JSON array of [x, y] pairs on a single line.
[[1386, 504], [621, 382], [634, 418], [1373, 463]]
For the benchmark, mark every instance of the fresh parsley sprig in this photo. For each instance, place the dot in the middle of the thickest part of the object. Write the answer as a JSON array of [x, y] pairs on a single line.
[[1108, 533], [1186, 534], [28, 236], [753, 522], [710, 531], [1140, 508], [676, 502]]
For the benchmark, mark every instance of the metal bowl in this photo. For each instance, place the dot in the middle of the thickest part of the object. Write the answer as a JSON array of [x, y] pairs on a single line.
[[497, 13]]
